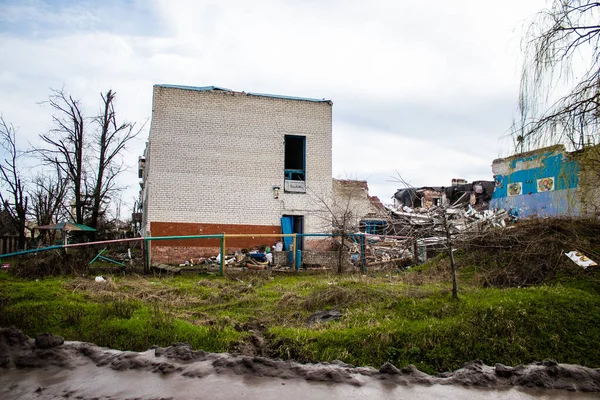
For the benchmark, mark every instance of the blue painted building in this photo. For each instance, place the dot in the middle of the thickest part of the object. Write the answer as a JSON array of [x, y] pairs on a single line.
[[541, 183]]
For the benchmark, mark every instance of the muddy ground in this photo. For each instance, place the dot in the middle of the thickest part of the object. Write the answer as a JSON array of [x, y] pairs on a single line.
[[49, 368]]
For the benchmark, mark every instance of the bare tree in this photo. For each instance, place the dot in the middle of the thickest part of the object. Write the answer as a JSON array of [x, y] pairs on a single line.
[[341, 212], [110, 142], [48, 198], [67, 145], [557, 41], [15, 201], [445, 225], [87, 151], [435, 224]]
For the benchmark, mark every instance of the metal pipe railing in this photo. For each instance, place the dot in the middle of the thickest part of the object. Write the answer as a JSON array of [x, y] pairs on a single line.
[[40, 249], [222, 245]]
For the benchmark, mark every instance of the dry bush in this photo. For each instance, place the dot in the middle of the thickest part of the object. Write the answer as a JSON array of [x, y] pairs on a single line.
[[532, 251], [50, 263]]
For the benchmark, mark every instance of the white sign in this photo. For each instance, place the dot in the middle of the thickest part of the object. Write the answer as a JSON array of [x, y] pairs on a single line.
[[295, 186]]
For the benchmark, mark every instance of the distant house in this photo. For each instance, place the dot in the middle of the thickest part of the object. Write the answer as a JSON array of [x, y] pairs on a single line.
[[9, 235], [543, 182], [223, 161]]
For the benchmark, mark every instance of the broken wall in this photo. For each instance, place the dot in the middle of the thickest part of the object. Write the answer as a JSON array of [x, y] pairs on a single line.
[[542, 183], [589, 179], [352, 196]]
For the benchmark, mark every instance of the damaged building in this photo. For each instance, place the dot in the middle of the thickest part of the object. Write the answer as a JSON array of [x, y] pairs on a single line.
[[366, 213], [478, 194], [546, 182], [415, 214], [222, 161], [543, 182]]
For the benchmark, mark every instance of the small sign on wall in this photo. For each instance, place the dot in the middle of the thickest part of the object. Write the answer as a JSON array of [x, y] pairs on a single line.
[[545, 184], [295, 186], [515, 189]]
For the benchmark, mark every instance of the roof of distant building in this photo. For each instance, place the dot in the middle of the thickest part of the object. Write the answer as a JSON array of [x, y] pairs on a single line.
[[531, 153], [218, 88]]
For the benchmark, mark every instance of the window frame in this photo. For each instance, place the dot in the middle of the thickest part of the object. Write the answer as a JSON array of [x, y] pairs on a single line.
[[294, 174]]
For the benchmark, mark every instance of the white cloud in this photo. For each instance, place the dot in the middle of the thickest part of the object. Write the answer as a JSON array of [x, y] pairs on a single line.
[[380, 156], [421, 86]]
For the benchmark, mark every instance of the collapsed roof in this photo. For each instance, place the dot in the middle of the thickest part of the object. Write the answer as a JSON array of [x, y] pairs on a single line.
[[477, 193]]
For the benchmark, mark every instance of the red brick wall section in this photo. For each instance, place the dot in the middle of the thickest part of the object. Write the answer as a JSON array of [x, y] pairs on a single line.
[[177, 251], [185, 229]]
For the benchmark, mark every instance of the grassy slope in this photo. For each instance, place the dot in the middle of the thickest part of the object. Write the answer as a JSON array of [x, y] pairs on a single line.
[[408, 318]]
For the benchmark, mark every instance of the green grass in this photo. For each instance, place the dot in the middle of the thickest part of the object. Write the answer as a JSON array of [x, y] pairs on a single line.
[[406, 318], [47, 306]]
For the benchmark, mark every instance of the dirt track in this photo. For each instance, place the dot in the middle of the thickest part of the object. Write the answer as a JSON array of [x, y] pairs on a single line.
[[49, 370]]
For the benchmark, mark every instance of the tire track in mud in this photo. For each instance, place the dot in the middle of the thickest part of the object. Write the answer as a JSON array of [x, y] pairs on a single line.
[[54, 365]]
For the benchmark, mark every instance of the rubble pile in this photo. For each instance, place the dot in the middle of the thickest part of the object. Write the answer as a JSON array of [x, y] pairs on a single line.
[[380, 251], [420, 222], [430, 214]]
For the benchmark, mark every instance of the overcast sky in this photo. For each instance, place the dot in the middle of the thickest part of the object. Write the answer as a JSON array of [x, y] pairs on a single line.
[[427, 88]]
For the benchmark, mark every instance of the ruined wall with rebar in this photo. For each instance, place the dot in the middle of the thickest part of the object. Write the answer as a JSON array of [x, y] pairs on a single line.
[[541, 183]]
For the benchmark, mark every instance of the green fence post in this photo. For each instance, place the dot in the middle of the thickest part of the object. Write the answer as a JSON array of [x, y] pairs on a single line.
[[363, 258], [222, 264], [294, 247], [147, 255]]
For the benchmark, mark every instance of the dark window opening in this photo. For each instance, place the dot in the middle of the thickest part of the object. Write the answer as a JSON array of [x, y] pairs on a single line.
[[295, 158]]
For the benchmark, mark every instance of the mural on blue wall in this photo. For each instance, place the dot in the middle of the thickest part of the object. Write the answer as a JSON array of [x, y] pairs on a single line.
[[540, 183]]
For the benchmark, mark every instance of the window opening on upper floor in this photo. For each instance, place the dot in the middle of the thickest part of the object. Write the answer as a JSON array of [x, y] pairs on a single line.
[[295, 163]]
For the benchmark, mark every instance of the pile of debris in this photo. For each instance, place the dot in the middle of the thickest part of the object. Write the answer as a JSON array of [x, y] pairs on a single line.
[[378, 250], [383, 251], [430, 211], [430, 214], [258, 259], [432, 221]]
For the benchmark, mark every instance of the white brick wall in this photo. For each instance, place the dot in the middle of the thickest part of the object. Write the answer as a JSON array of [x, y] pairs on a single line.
[[214, 156]]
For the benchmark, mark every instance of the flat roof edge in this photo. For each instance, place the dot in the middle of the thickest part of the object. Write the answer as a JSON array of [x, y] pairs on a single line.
[[196, 88], [218, 88]]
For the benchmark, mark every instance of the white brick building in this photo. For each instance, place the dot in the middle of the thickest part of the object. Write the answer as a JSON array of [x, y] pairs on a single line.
[[215, 158]]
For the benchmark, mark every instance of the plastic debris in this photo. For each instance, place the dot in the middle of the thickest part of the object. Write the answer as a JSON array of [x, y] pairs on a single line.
[[580, 259]]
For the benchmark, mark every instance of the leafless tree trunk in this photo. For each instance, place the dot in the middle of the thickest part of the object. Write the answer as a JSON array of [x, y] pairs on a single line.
[[67, 146], [449, 248], [342, 230], [15, 201], [110, 141]]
